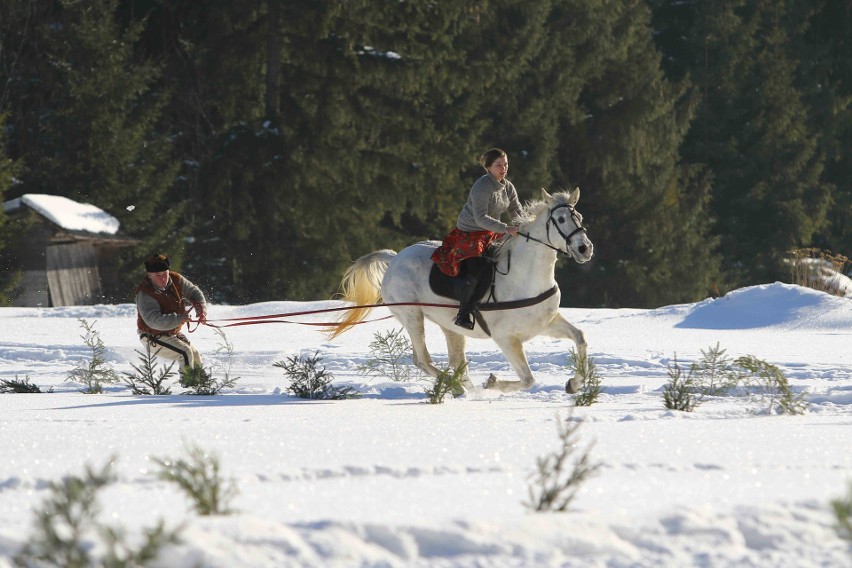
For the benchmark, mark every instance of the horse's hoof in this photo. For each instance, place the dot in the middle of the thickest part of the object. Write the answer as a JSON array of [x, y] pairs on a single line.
[[490, 382], [569, 388]]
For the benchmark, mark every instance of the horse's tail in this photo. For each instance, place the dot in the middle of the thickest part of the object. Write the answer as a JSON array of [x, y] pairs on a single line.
[[362, 285]]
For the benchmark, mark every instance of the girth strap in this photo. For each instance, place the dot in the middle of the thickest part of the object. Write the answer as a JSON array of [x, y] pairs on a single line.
[[510, 305], [514, 304]]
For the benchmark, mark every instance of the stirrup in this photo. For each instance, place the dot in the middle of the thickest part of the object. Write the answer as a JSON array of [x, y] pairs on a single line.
[[465, 320]]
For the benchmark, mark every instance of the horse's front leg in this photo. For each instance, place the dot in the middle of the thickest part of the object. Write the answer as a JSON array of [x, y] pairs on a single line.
[[559, 327], [513, 350], [457, 359]]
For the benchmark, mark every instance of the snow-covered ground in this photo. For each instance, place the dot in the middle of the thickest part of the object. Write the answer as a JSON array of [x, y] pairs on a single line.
[[390, 480]]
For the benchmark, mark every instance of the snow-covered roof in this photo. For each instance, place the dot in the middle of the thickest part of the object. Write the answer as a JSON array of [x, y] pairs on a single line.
[[66, 213]]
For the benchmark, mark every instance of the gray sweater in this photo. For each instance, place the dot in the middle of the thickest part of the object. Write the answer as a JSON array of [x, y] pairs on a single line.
[[488, 200]]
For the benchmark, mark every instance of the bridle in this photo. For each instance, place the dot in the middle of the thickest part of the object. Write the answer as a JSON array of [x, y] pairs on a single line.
[[549, 244]]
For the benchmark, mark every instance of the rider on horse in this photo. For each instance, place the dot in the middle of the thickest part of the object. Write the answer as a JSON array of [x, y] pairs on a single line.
[[478, 225]]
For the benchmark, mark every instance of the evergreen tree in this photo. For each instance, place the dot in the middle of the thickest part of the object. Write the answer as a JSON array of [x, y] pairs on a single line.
[[824, 49], [94, 122], [752, 129], [531, 59], [25, 85], [106, 146], [365, 149], [282, 139], [647, 212], [8, 170]]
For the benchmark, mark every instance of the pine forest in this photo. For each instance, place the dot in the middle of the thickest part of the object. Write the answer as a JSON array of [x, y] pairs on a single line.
[[264, 145]]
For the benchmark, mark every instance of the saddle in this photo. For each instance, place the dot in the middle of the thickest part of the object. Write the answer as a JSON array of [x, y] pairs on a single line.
[[481, 269]]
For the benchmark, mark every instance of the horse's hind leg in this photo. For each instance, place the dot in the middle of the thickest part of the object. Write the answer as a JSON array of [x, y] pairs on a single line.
[[559, 327], [413, 324]]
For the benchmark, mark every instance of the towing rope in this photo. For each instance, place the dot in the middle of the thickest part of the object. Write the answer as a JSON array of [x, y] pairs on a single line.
[[275, 318]]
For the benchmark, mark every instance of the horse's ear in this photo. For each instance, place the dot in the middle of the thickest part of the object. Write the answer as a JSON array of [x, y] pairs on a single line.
[[574, 196], [546, 196]]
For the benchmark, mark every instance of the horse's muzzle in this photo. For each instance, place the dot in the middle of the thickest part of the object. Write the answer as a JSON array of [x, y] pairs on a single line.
[[583, 253]]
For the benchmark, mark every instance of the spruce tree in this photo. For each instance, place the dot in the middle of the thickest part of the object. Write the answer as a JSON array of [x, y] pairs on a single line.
[[8, 169], [108, 149], [646, 211], [366, 150], [26, 88], [753, 129], [89, 130], [824, 48], [533, 90]]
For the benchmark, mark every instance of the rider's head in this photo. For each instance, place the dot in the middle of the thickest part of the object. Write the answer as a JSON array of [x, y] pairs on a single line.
[[496, 162], [488, 158]]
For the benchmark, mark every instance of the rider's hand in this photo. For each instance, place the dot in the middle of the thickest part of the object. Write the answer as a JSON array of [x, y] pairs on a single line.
[[512, 231], [200, 311]]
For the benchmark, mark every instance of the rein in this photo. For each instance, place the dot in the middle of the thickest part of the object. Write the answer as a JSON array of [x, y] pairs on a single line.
[[529, 237], [274, 318]]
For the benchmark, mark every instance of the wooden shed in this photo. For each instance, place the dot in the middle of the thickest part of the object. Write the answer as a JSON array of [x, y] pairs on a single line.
[[63, 250]]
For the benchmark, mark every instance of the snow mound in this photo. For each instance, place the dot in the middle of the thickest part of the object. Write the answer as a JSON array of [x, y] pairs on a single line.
[[784, 306]]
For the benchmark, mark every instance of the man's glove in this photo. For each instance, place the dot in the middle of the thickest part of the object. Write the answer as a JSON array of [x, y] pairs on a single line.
[[200, 311]]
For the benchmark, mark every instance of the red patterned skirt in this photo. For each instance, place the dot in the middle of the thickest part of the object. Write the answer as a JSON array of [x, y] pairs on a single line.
[[459, 245]]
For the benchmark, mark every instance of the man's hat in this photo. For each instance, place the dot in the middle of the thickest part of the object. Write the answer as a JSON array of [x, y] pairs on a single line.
[[157, 263]]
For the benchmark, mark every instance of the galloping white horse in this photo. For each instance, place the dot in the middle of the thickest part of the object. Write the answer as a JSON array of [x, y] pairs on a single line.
[[524, 272]]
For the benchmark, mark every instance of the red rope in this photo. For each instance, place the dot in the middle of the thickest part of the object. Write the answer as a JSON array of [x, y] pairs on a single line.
[[319, 324], [273, 318]]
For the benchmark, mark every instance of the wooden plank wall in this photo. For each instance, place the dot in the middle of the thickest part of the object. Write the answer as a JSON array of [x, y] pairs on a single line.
[[72, 275]]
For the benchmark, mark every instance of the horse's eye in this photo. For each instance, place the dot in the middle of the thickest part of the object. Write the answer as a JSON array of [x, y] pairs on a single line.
[[561, 219]]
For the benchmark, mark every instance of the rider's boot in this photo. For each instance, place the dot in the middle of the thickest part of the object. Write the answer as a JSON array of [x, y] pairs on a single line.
[[466, 285], [466, 288]]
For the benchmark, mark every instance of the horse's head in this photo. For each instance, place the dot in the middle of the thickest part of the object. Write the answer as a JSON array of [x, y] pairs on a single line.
[[564, 225]]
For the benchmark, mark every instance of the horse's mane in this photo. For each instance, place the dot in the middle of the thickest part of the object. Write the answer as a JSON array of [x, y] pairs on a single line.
[[532, 209]]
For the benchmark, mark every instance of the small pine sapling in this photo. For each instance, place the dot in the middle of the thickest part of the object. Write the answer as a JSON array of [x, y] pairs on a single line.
[[842, 508], [150, 378], [65, 522], [67, 531], [713, 373], [447, 382], [556, 481], [200, 381], [18, 386], [94, 373], [766, 381], [591, 386], [310, 380], [226, 348], [198, 476], [390, 356], [679, 392]]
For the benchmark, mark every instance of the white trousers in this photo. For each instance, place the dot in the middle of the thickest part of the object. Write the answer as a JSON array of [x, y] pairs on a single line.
[[174, 348]]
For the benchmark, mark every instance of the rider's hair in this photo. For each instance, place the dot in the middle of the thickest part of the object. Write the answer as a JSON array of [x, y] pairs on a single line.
[[490, 156]]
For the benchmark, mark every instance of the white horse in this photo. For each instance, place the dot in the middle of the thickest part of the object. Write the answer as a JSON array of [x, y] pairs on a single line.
[[525, 271]]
